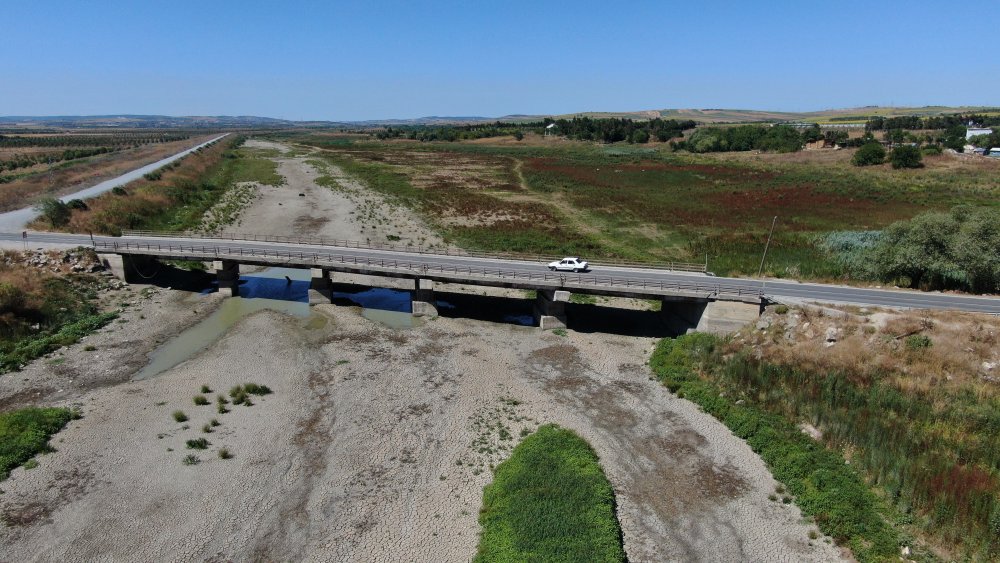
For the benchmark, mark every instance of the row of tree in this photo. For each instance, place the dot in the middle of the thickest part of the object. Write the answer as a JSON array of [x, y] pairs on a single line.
[[450, 133], [111, 140], [878, 123], [28, 160], [777, 138], [902, 156], [610, 130], [613, 130]]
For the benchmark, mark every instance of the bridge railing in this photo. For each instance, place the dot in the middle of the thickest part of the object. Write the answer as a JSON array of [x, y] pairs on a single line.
[[320, 259], [416, 249]]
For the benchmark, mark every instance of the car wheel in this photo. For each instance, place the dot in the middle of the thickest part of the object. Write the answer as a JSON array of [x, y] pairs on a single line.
[[552, 268], [576, 270]]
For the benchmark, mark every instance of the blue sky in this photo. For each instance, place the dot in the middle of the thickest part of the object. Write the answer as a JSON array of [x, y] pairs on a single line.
[[372, 60]]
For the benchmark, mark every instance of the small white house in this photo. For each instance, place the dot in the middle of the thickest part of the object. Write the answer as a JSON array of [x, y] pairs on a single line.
[[974, 131]]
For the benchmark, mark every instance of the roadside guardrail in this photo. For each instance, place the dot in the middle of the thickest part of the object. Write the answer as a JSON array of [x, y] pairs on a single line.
[[416, 249], [320, 259]]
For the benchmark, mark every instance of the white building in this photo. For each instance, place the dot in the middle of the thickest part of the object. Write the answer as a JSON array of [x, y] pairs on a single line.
[[973, 131]]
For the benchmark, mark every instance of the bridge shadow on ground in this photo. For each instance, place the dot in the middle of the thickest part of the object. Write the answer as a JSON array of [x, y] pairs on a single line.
[[588, 318], [168, 276]]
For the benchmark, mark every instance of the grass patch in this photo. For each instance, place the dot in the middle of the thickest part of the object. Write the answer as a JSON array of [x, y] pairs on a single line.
[[824, 486], [23, 351], [197, 444], [26, 432], [224, 453], [550, 502], [179, 416], [201, 400], [191, 459]]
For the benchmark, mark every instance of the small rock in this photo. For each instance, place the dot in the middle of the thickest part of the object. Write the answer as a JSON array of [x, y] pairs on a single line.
[[832, 334]]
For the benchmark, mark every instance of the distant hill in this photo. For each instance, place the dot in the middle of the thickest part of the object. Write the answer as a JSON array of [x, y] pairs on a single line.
[[157, 122], [252, 122]]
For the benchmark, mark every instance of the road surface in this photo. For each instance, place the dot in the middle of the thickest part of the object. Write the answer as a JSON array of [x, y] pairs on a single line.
[[773, 289], [17, 220]]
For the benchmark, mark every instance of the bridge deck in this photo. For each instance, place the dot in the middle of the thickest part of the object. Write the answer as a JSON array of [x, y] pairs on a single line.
[[424, 267]]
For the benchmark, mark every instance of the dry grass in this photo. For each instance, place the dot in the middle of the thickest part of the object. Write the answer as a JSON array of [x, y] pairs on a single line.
[[64, 180], [872, 345], [110, 212]]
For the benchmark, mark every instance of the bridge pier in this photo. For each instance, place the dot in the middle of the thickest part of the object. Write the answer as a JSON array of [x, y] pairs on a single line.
[[320, 286], [682, 314], [130, 268], [228, 273], [422, 299], [689, 314], [550, 308]]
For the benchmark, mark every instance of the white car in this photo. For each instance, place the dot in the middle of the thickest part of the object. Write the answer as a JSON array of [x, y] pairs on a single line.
[[569, 264]]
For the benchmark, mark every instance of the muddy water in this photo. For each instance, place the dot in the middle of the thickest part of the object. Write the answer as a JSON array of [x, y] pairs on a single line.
[[285, 290], [269, 289]]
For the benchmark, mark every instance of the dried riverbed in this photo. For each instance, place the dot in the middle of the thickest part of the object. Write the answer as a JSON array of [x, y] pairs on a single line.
[[375, 444]]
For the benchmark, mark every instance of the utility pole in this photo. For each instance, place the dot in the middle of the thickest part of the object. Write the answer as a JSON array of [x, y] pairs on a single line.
[[766, 245]]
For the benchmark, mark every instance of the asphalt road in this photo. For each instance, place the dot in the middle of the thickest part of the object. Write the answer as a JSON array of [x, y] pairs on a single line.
[[775, 289], [14, 220]]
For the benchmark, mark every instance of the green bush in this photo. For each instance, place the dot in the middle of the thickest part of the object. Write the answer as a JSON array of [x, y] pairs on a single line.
[[906, 156], [918, 342], [179, 416], [197, 444], [55, 211], [26, 432], [201, 400], [28, 349], [869, 154], [550, 502]]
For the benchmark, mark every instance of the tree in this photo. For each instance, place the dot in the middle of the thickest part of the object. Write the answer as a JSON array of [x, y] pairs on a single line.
[[869, 154], [55, 212], [918, 250], [518, 134], [894, 136], [976, 247], [906, 156], [640, 136], [836, 137]]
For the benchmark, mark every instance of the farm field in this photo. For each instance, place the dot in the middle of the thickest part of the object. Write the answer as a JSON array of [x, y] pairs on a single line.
[[35, 165], [646, 203]]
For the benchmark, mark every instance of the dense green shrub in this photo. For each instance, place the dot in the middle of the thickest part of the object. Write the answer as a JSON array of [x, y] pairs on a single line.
[[27, 349], [960, 249], [26, 432], [54, 211], [906, 156], [550, 502], [869, 154]]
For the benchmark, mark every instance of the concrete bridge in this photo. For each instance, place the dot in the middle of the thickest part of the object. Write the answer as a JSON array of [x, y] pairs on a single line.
[[689, 297], [684, 301]]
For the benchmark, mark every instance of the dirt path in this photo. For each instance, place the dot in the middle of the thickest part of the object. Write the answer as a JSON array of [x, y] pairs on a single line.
[[375, 444]]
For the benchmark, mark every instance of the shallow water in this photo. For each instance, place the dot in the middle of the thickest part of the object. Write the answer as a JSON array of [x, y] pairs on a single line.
[[285, 290]]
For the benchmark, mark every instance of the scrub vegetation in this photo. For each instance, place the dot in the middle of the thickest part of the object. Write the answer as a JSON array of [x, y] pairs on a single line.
[[41, 311], [922, 462], [550, 502], [26, 432], [638, 202], [175, 198]]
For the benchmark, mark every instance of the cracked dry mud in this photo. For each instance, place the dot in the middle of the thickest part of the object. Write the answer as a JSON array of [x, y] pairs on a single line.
[[375, 445]]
